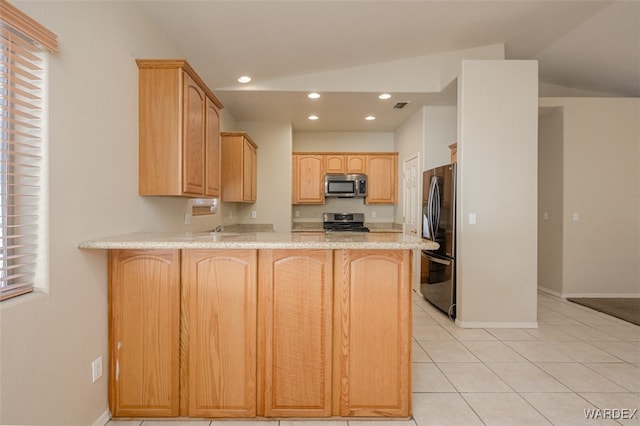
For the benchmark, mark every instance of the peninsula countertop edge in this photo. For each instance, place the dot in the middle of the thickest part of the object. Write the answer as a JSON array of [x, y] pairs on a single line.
[[260, 240]]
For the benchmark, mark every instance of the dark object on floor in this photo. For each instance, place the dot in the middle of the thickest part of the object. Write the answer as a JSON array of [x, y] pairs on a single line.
[[627, 309]]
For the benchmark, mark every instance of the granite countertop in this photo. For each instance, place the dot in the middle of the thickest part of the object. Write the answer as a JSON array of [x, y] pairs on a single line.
[[261, 240]]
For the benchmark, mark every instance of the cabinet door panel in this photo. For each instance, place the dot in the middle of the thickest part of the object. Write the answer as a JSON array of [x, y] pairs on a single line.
[[308, 179], [221, 291], [296, 321], [373, 333], [382, 173], [144, 332], [212, 138], [356, 164], [334, 163], [249, 172], [193, 149]]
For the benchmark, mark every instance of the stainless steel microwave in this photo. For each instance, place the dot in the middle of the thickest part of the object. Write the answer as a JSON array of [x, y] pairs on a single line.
[[345, 185]]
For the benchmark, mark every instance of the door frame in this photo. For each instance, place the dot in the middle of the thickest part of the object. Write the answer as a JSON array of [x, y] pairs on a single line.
[[418, 206]]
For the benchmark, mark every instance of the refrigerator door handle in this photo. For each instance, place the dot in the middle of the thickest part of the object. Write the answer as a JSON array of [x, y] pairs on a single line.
[[438, 260], [432, 207]]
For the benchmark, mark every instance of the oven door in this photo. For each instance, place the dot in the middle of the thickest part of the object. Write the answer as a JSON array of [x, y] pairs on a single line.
[[437, 281]]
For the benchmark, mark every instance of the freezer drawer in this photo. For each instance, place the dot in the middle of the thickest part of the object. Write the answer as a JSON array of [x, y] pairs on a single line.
[[437, 282]]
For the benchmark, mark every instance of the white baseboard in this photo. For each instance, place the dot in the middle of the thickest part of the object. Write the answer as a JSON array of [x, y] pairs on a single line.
[[489, 324], [603, 295], [549, 291], [103, 419], [595, 295]]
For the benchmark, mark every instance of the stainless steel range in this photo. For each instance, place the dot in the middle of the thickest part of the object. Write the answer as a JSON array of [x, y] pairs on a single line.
[[344, 222]]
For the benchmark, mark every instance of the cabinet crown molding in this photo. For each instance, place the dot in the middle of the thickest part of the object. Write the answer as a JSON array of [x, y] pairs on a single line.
[[179, 64]]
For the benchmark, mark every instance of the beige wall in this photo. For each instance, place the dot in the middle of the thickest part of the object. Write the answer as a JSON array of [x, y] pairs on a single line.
[[273, 203], [601, 183], [550, 194], [497, 180], [49, 339], [408, 141], [440, 132]]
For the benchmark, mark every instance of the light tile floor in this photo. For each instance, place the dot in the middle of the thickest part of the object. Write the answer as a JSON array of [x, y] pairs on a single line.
[[578, 359]]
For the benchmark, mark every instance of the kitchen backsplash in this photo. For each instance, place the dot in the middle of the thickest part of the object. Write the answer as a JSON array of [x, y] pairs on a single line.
[[372, 213]]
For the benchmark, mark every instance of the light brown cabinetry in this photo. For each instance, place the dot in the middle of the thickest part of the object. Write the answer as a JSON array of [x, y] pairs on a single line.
[[212, 155], [296, 288], [144, 332], [344, 163], [356, 163], [219, 305], [245, 333], [335, 163], [239, 167], [179, 142], [309, 169], [382, 178], [308, 178], [372, 333], [454, 152]]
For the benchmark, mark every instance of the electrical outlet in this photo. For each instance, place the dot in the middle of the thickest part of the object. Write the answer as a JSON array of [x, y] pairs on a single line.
[[297, 213], [96, 369], [472, 218], [576, 217], [373, 214], [187, 218], [254, 214], [545, 215]]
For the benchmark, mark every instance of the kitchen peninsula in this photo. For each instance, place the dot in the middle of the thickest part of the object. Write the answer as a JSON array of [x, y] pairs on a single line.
[[260, 324]]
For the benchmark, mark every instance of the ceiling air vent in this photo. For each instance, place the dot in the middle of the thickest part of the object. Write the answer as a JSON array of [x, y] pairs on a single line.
[[400, 105]]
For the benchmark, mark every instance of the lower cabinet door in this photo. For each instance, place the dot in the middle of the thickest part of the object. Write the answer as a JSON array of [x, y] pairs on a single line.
[[144, 327], [372, 333], [219, 332], [295, 333]]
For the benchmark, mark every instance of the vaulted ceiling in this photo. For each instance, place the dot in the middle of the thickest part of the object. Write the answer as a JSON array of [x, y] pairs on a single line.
[[352, 50]]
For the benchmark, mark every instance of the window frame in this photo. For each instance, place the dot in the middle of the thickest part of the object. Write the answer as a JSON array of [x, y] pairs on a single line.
[[24, 49]]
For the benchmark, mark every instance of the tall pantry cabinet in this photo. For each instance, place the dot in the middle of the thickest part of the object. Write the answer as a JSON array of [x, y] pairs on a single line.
[[179, 141]]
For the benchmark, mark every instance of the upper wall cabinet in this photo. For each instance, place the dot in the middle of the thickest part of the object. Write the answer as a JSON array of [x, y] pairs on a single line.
[[239, 167], [308, 178], [335, 163], [179, 146], [344, 163], [356, 163], [382, 176]]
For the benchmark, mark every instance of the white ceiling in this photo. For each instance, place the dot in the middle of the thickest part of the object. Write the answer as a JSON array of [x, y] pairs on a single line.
[[587, 45]]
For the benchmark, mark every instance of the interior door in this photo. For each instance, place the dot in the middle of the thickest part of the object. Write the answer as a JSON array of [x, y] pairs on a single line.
[[412, 203]]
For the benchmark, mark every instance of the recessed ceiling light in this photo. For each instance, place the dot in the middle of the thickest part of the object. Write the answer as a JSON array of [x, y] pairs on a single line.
[[313, 117], [384, 96], [244, 79], [369, 118], [313, 95]]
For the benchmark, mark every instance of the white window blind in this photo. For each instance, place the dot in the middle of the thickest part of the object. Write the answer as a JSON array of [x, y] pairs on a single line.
[[23, 46]]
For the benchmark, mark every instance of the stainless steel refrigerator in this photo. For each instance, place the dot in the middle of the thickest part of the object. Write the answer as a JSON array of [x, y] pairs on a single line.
[[438, 267]]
